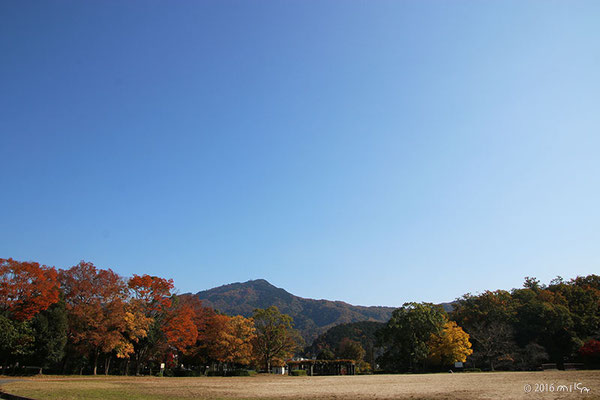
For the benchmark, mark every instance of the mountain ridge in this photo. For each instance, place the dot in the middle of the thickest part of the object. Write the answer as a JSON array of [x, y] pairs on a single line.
[[311, 316]]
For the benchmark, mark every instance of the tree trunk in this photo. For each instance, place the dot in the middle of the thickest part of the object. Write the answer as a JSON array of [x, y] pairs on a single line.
[[64, 365], [138, 363], [107, 365], [96, 361], [127, 367]]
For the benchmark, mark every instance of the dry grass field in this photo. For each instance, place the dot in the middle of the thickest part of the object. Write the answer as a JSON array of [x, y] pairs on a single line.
[[499, 385]]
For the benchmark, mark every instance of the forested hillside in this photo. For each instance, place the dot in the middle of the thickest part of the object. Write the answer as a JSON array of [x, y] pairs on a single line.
[[311, 317]]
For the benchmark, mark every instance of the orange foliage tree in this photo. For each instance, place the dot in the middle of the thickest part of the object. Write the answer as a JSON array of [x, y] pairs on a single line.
[[228, 339], [151, 293], [151, 303], [95, 300], [26, 288], [179, 328], [234, 342], [201, 314]]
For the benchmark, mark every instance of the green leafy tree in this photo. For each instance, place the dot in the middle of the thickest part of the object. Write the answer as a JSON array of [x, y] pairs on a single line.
[[406, 335], [350, 350], [16, 341], [498, 306], [50, 331], [276, 339], [326, 354], [548, 324], [8, 335]]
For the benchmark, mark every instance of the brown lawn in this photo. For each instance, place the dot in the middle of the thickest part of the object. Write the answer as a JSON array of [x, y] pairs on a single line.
[[499, 385]]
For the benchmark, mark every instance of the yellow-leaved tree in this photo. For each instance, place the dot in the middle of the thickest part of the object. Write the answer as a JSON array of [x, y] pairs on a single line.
[[234, 342], [450, 345]]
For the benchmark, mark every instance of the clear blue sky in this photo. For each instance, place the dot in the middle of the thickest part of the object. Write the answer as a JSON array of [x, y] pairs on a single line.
[[368, 151]]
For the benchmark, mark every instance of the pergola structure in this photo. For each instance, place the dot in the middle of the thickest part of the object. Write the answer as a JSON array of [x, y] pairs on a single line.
[[323, 367]]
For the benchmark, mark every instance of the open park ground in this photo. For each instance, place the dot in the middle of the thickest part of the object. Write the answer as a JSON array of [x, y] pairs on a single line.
[[498, 385]]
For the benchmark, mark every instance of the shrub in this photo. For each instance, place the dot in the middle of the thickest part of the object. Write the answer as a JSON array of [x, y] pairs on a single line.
[[298, 372], [242, 372], [234, 372], [187, 372]]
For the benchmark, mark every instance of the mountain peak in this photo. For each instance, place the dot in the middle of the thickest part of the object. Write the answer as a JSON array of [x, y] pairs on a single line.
[[311, 317], [259, 282]]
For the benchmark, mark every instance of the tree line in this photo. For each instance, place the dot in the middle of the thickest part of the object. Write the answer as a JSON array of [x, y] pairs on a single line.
[[87, 319], [510, 330], [522, 328]]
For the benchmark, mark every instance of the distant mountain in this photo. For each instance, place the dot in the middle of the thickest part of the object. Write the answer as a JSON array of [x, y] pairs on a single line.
[[311, 317]]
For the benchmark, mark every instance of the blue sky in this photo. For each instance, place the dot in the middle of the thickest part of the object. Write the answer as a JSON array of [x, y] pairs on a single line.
[[374, 152]]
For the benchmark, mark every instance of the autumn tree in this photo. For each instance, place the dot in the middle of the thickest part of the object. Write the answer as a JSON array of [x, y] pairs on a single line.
[[450, 345], [95, 300], [26, 288], [207, 347], [198, 353], [200, 314], [136, 328], [153, 294], [590, 352], [232, 339], [179, 328], [150, 306], [276, 339]]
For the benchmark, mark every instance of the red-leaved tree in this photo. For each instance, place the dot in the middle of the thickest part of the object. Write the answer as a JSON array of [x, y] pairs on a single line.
[[590, 351], [26, 288]]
